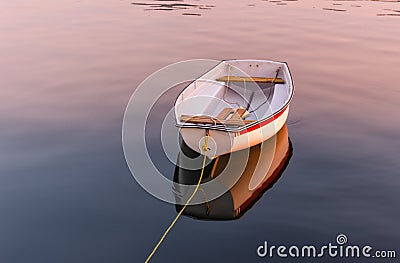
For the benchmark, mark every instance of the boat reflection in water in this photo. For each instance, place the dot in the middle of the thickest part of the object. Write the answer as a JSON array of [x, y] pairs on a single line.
[[265, 165]]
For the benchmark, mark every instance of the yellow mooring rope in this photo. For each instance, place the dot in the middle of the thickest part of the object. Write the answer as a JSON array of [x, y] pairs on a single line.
[[205, 148]]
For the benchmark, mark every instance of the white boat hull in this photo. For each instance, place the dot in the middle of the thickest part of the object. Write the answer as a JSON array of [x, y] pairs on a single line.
[[222, 142]]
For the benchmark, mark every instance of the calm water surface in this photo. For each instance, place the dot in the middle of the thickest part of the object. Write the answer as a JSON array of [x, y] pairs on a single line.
[[68, 68]]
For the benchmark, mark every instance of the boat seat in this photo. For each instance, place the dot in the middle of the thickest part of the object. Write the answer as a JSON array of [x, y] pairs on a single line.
[[228, 117], [250, 79]]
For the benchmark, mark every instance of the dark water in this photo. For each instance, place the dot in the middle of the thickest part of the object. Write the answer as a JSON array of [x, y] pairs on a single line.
[[68, 68]]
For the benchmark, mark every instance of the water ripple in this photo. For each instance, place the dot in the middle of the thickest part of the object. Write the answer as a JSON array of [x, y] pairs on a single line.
[[347, 5], [173, 5]]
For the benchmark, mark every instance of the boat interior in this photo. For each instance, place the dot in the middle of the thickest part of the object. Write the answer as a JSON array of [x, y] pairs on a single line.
[[234, 94]]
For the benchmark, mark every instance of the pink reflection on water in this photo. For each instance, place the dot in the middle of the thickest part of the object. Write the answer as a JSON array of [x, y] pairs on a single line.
[[80, 62]]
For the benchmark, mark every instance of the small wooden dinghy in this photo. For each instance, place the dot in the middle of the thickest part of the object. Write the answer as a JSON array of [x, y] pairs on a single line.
[[240, 102]]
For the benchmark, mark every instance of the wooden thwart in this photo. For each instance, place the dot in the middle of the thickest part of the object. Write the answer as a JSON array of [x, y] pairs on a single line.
[[235, 118], [251, 79], [209, 120]]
